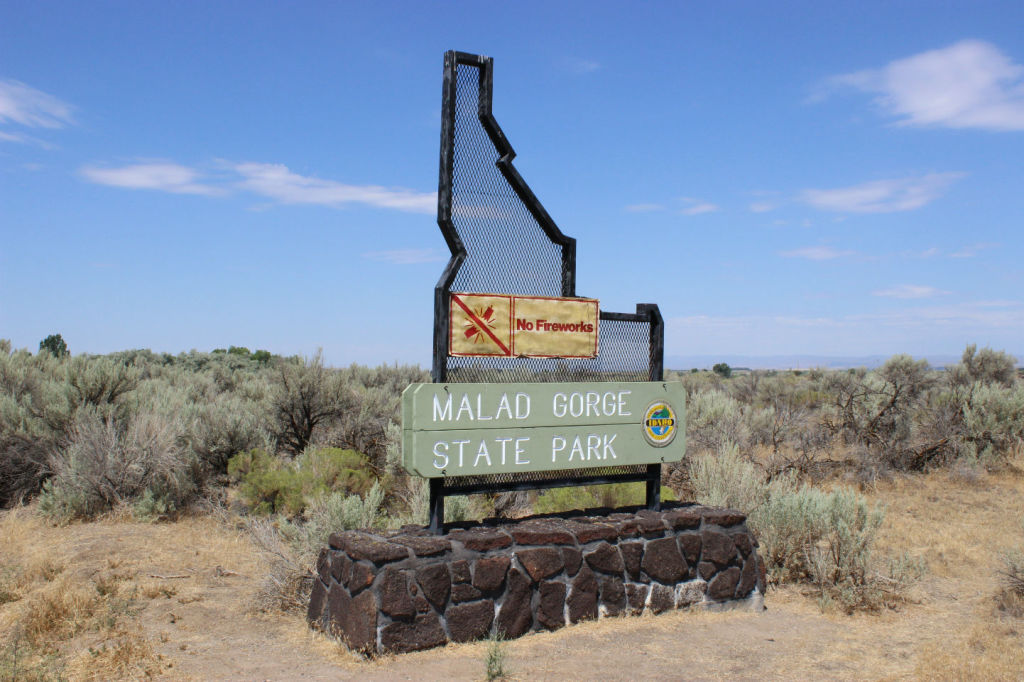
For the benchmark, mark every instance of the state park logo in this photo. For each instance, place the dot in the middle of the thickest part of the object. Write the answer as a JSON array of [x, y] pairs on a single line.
[[660, 424]]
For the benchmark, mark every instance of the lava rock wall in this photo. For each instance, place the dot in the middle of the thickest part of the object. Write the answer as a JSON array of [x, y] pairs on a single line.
[[404, 590]]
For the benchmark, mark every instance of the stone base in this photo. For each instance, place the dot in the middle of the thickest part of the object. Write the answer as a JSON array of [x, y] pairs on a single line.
[[404, 590]]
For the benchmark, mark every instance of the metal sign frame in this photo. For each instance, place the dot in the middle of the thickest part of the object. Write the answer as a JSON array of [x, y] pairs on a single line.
[[477, 207]]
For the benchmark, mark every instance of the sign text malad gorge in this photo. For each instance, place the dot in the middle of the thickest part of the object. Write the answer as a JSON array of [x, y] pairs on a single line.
[[474, 429]]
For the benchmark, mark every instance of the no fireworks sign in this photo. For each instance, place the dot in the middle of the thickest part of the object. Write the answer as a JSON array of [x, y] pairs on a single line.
[[502, 325]]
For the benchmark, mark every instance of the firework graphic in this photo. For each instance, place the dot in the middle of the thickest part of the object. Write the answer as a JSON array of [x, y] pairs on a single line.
[[474, 329]]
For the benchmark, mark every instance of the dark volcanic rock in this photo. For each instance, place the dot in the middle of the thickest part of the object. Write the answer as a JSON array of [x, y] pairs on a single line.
[[323, 566], [572, 558], [583, 597], [317, 599], [424, 545], [632, 553], [651, 526], [462, 592], [481, 539], [718, 548], [436, 583], [613, 595], [467, 622], [542, 562], [724, 517], [663, 561], [489, 573], [606, 559], [748, 577], [586, 531], [636, 596], [551, 609], [541, 532], [690, 544], [393, 587], [742, 542], [355, 619], [514, 616], [403, 590], [360, 546], [460, 571], [723, 585], [686, 518], [628, 528], [341, 568], [423, 633], [360, 577], [662, 598]]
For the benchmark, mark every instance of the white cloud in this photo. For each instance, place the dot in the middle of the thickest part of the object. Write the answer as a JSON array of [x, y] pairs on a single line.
[[909, 291], [972, 250], [699, 208], [161, 176], [407, 256], [644, 208], [762, 207], [816, 253], [970, 84], [882, 196], [276, 182], [580, 66], [273, 181], [29, 107]]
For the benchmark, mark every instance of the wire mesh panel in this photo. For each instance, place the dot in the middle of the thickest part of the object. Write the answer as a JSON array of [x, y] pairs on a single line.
[[504, 242], [508, 252]]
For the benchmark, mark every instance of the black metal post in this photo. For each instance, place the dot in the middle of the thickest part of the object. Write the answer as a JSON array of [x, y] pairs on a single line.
[[654, 487], [657, 373], [437, 506]]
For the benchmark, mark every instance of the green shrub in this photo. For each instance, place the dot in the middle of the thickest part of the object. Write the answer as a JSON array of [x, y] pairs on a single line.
[[806, 535], [850, 526], [99, 382], [339, 511], [496, 657], [986, 366], [728, 480], [788, 527], [270, 484], [104, 466], [55, 345], [714, 419], [994, 417], [612, 495], [34, 419], [306, 395], [221, 428]]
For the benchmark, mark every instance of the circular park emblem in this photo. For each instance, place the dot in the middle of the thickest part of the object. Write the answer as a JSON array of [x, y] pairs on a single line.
[[660, 424]]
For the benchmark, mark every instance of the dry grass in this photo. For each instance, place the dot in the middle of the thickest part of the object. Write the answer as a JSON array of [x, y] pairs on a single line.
[[79, 600], [989, 651], [117, 599]]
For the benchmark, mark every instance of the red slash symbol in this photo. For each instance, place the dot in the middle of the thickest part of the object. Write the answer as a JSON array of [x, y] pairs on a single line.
[[480, 323]]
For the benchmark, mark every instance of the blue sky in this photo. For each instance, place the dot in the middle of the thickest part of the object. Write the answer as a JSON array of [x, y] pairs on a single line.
[[780, 177]]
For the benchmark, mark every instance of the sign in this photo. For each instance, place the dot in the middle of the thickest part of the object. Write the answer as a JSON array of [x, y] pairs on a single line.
[[504, 325], [477, 429]]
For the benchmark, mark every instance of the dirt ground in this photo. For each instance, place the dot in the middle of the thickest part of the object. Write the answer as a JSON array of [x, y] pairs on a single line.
[[121, 599]]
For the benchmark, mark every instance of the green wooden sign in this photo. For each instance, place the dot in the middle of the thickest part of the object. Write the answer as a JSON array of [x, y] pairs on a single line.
[[476, 429]]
